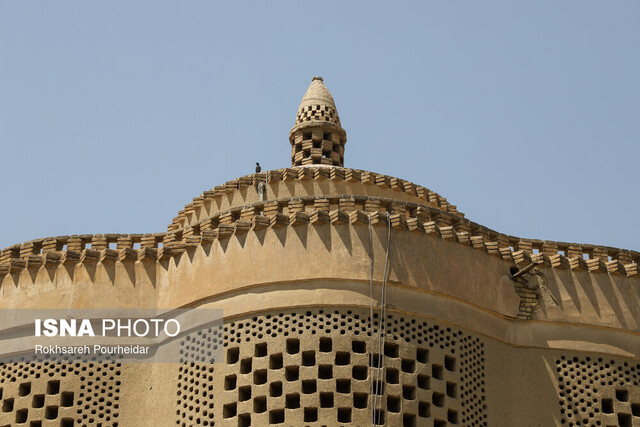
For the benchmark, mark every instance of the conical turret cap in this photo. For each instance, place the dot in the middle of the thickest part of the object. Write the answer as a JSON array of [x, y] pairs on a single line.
[[318, 96], [317, 104]]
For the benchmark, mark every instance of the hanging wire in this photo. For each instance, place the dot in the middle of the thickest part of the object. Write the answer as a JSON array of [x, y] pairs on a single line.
[[371, 338], [375, 416]]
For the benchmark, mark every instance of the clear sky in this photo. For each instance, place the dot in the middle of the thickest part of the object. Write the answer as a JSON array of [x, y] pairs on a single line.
[[526, 115]]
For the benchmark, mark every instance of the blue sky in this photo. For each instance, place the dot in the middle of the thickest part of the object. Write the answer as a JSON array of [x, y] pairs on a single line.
[[114, 115]]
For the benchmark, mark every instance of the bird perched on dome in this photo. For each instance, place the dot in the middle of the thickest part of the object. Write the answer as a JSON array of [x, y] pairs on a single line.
[[258, 168]]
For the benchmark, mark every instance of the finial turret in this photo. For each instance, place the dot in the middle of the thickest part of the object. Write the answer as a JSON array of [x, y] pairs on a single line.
[[317, 137]]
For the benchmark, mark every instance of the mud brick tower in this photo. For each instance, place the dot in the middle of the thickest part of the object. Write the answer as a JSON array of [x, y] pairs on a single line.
[[317, 138], [350, 298]]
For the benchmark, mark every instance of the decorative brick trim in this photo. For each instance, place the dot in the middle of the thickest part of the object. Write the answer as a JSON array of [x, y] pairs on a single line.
[[312, 210], [205, 200]]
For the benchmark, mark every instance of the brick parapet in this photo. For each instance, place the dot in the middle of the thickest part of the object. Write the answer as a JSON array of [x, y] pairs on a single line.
[[313, 210], [205, 200]]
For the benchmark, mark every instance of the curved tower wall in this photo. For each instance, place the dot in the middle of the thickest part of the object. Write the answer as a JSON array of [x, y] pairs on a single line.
[[461, 341]]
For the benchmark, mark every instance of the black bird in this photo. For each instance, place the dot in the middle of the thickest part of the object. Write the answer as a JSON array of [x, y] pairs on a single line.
[[258, 168]]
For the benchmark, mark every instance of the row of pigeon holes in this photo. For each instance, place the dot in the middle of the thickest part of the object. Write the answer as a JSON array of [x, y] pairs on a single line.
[[317, 156], [320, 365], [195, 401], [35, 393], [195, 378], [195, 393], [346, 203], [83, 249], [447, 225], [271, 214], [317, 137], [471, 355], [81, 242], [533, 246], [403, 215], [322, 113], [205, 200], [119, 242], [317, 146], [598, 391]]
